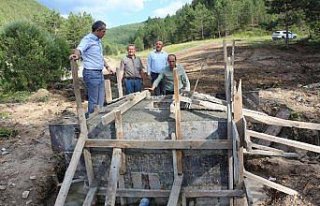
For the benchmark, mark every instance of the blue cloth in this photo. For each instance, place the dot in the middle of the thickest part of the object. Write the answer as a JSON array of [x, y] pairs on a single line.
[[94, 81], [133, 85], [91, 51], [157, 61]]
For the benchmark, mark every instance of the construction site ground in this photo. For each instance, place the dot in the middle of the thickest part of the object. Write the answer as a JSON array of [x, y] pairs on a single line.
[[273, 77]]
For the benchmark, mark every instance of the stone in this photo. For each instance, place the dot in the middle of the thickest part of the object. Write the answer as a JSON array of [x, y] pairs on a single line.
[[33, 177], [25, 194], [3, 187]]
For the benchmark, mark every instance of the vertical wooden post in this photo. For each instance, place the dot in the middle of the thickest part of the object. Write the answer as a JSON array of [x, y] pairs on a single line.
[[229, 119], [123, 167], [108, 88], [178, 119], [119, 83], [238, 118], [113, 177], [225, 51]]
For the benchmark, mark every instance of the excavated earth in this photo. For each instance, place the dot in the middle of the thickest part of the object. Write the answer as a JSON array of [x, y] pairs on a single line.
[[273, 77]]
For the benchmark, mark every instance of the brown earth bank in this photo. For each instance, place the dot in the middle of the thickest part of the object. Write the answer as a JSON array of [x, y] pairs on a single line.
[[272, 77]]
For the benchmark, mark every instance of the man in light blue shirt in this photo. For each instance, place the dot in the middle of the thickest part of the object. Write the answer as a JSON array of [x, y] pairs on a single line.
[[91, 51], [157, 61]]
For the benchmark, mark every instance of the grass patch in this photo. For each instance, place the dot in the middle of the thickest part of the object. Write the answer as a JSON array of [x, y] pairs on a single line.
[[16, 97], [8, 132], [4, 115]]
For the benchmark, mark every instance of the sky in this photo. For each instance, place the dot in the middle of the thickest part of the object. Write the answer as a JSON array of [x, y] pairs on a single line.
[[117, 12]]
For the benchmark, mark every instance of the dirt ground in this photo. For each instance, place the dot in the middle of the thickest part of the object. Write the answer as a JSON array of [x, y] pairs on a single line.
[[272, 77]]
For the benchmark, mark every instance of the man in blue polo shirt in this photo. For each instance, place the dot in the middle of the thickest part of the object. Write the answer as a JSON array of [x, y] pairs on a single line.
[[91, 51], [157, 61]]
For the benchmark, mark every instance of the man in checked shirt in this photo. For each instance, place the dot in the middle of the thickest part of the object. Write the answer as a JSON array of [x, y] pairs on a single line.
[[131, 69]]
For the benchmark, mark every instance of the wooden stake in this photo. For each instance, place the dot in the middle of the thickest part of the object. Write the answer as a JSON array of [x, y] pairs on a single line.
[[178, 119], [119, 83], [113, 177]]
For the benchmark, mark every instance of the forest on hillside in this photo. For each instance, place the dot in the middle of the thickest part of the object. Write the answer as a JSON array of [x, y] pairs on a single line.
[[215, 18]]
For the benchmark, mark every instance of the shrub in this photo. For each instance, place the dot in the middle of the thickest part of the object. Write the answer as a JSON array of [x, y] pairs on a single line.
[[30, 58]]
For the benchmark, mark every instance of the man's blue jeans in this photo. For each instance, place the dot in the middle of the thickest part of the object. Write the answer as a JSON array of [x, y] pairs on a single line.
[[132, 85], [94, 81]]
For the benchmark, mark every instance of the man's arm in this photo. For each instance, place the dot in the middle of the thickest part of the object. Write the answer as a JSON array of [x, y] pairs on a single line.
[[149, 62], [185, 79], [157, 81], [76, 55]]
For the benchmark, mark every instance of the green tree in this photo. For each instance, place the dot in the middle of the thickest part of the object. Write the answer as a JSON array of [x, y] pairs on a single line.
[[139, 43], [51, 21], [30, 58], [75, 27]]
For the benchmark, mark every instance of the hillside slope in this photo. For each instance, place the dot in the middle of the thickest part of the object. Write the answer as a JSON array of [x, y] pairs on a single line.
[[122, 34], [11, 10]]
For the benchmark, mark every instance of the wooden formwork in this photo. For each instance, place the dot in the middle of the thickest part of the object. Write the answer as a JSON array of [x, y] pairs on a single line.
[[238, 143]]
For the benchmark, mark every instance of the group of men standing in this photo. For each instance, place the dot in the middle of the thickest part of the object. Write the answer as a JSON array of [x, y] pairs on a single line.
[[160, 66]]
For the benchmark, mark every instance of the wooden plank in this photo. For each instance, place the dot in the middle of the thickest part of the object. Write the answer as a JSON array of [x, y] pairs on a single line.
[[274, 130], [90, 196], [63, 192], [175, 191], [108, 89], [256, 117], [136, 98], [270, 184], [213, 193], [292, 143], [119, 134], [235, 148], [160, 144], [269, 153], [119, 82], [174, 157], [177, 113], [113, 178], [225, 51], [229, 124], [123, 201], [262, 147], [209, 98], [248, 193], [88, 164], [166, 193]]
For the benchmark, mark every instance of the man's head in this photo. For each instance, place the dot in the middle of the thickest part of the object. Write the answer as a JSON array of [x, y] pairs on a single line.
[[99, 29], [159, 45], [131, 50], [172, 61]]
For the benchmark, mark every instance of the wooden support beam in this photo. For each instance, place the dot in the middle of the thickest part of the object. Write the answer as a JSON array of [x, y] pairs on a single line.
[[274, 130], [90, 196], [270, 184], [269, 120], [175, 191], [213, 193], [166, 193], [228, 84], [89, 167], [108, 88], [119, 134], [248, 192], [119, 82], [177, 113], [209, 98], [135, 98], [113, 178], [292, 143], [269, 153], [62, 195], [160, 144]]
